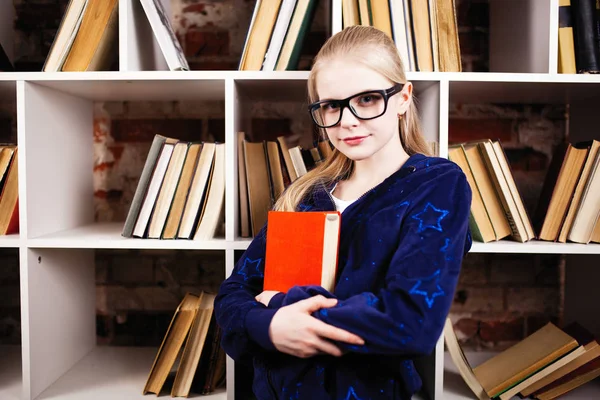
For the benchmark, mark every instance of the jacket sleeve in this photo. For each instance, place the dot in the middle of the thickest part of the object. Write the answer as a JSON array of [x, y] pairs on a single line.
[[406, 317], [244, 321]]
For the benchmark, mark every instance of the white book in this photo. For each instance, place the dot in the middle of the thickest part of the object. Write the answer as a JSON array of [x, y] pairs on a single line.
[[165, 36], [281, 26], [399, 32]]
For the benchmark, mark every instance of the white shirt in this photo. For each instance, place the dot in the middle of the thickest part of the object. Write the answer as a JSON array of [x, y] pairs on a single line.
[[340, 204]]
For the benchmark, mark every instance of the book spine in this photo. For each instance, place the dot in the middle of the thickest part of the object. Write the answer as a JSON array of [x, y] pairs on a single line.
[[586, 36]]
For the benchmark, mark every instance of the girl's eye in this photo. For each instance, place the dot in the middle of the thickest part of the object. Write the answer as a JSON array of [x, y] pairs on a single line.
[[330, 106], [369, 99]]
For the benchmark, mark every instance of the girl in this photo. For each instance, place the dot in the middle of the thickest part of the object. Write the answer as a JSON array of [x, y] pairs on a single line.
[[404, 233]]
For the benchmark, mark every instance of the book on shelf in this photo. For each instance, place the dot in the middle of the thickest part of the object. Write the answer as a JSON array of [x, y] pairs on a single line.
[[425, 31], [569, 203], [165, 35], [87, 37], [180, 193], [277, 32], [302, 249], [193, 334], [497, 209], [578, 37], [9, 189], [536, 366], [265, 170]]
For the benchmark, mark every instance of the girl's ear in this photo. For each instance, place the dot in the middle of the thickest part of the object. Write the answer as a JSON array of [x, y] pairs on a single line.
[[405, 98]]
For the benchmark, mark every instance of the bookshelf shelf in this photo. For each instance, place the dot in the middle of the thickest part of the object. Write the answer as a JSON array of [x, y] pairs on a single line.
[[535, 247], [110, 373], [10, 373], [10, 241], [505, 246], [108, 236], [456, 389]]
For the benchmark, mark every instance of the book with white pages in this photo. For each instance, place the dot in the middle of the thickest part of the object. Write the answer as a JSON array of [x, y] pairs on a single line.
[[65, 36], [281, 27], [165, 35]]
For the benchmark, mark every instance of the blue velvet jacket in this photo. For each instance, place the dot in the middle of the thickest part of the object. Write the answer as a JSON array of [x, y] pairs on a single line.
[[401, 248]]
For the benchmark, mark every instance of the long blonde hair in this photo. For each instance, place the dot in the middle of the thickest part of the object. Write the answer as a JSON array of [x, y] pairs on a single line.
[[376, 50]]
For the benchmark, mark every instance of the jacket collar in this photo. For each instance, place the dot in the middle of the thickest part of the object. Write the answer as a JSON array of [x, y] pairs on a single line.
[[322, 199]]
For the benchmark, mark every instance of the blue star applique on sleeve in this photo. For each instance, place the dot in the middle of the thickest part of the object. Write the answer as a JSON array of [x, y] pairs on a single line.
[[250, 269], [429, 288], [430, 217]]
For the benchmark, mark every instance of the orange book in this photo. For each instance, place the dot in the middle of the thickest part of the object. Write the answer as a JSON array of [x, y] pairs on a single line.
[[302, 249]]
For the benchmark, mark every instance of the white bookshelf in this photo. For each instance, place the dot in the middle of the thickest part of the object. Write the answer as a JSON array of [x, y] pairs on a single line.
[[59, 357]]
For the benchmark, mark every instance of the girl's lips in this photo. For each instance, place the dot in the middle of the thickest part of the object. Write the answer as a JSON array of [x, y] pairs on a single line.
[[355, 140]]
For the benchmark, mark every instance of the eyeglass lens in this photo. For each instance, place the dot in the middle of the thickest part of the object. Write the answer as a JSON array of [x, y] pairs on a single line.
[[366, 105]]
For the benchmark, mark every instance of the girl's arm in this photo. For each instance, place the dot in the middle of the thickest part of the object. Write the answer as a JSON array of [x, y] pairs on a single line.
[[407, 316], [244, 321]]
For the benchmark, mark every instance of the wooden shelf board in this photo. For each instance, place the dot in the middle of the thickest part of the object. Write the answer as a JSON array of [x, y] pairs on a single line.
[[10, 241], [535, 247], [10, 372], [115, 373], [455, 387], [108, 236]]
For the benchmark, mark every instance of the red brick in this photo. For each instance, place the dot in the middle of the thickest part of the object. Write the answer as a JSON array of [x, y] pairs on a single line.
[[206, 43], [143, 130], [464, 130], [502, 331], [195, 8], [468, 327]]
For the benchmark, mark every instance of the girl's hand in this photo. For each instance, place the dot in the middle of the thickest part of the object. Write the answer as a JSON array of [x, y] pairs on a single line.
[[266, 296], [295, 331]]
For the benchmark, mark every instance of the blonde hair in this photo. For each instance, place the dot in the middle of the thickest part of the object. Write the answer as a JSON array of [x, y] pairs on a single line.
[[376, 50]]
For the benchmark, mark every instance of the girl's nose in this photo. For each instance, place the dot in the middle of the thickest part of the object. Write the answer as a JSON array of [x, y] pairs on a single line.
[[348, 119]]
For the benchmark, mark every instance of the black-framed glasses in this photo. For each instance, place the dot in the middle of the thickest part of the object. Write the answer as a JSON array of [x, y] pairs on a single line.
[[365, 105]]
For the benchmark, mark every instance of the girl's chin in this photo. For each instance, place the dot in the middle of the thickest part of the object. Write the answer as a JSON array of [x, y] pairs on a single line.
[[356, 154]]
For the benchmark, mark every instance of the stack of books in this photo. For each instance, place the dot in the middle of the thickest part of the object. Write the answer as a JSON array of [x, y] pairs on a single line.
[[181, 192], [497, 209], [87, 38], [425, 31], [578, 36], [545, 365], [9, 189], [276, 34], [569, 205], [194, 333], [265, 170]]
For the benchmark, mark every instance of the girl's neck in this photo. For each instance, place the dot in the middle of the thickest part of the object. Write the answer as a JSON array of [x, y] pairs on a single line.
[[380, 165]]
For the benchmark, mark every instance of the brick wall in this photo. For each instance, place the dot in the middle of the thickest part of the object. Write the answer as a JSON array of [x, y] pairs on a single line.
[[500, 298]]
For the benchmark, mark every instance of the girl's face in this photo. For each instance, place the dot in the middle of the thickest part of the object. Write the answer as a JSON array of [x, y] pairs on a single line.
[[356, 138]]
